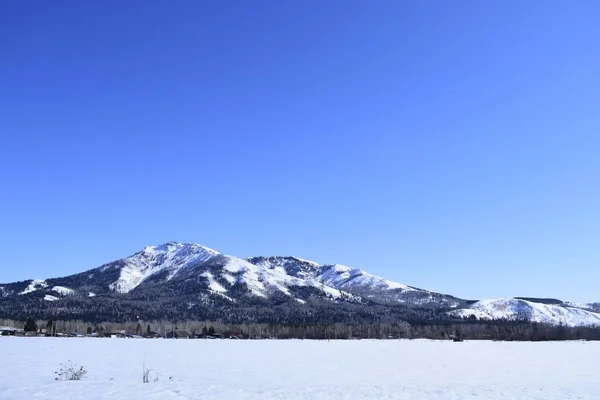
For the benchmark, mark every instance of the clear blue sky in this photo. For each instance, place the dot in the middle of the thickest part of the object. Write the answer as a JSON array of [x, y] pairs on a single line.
[[448, 145]]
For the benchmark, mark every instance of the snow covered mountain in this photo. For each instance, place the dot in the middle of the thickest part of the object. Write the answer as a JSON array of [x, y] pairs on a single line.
[[187, 280], [219, 274], [182, 261], [541, 311], [177, 269]]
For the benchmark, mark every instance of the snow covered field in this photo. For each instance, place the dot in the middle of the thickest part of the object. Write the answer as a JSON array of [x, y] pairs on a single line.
[[288, 370]]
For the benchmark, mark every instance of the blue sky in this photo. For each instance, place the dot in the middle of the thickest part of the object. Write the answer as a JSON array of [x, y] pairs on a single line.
[[448, 145]]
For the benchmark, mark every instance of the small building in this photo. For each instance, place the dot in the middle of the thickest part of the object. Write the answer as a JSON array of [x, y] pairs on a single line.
[[9, 331]]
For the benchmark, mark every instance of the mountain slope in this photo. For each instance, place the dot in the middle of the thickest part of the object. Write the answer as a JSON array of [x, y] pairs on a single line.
[[167, 259], [532, 311], [358, 282], [174, 261]]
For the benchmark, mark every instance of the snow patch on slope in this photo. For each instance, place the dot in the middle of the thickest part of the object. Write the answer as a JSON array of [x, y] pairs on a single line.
[[230, 279], [50, 298], [213, 284], [343, 277], [313, 263], [258, 280], [34, 285], [65, 291]]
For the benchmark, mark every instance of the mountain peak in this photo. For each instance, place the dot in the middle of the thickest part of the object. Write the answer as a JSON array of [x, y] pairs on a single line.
[[283, 259], [169, 257], [175, 246]]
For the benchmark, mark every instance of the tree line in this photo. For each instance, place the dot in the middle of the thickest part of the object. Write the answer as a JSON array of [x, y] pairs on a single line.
[[502, 330]]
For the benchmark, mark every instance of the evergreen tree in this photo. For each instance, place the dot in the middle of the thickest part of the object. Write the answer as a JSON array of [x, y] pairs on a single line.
[[30, 325]]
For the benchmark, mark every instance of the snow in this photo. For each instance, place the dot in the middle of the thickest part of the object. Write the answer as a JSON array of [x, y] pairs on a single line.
[[300, 370], [313, 263], [65, 291], [336, 276], [216, 287], [171, 257], [34, 285], [230, 279], [512, 309], [307, 268], [237, 265], [213, 284], [90, 294], [586, 306], [261, 279], [336, 294], [10, 329], [343, 277], [50, 298], [225, 296]]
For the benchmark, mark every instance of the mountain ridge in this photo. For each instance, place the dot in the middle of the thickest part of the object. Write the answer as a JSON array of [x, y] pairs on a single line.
[[212, 283]]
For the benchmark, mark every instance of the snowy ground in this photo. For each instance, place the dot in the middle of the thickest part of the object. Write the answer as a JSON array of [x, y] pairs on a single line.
[[288, 370]]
